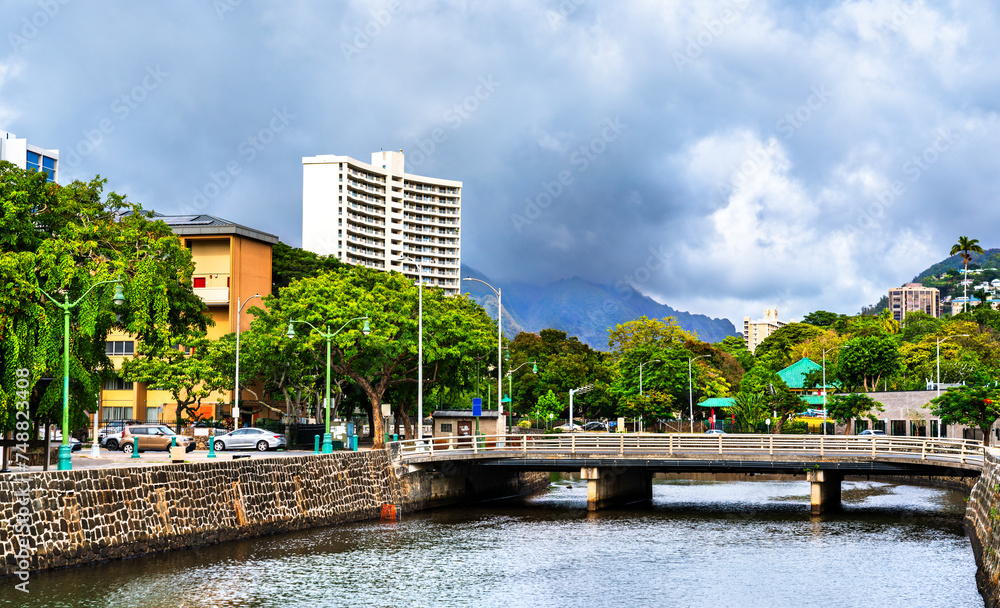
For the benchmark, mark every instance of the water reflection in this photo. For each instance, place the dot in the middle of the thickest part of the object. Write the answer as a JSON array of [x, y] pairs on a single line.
[[698, 544]]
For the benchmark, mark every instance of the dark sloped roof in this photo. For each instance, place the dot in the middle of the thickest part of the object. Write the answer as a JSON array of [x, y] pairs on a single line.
[[206, 225]]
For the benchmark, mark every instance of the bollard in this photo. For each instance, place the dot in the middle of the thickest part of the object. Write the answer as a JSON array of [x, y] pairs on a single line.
[[395, 437], [316, 437], [211, 446], [173, 441], [354, 443], [135, 447]]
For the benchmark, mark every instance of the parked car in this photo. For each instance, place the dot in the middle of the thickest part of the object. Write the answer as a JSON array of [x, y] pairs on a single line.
[[715, 432], [596, 425], [570, 428], [56, 439], [249, 439], [153, 437], [871, 433], [110, 435]]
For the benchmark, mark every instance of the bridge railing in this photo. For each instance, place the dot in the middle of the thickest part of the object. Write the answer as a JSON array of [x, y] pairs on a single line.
[[639, 444]]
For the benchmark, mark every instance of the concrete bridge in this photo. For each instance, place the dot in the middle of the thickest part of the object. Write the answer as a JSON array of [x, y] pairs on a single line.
[[619, 467]]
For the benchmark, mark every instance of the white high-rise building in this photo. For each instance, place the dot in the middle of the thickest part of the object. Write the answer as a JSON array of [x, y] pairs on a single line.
[[19, 152], [377, 214], [755, 332]]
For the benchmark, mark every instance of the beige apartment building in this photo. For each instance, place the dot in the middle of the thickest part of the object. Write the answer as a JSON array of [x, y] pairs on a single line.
[[754, 332], [232, 263], [379, 216], [914, 297]]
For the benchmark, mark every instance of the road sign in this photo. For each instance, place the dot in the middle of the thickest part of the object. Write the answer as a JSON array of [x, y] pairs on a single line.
[[477, 406]]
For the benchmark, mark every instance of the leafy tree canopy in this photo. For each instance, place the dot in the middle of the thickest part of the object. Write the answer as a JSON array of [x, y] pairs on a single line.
[[976, 404], [782, 341]]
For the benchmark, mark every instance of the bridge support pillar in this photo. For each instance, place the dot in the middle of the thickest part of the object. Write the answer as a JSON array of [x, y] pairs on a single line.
[[825, 491], [609, 487]]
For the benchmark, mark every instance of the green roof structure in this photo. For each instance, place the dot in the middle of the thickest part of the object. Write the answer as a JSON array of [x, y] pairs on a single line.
[[717, 402], [795, 374]]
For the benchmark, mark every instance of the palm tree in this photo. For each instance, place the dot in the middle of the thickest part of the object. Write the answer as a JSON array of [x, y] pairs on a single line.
[[966, 247]]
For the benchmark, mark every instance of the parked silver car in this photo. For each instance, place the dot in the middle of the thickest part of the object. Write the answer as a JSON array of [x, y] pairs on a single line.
[[249, 439]]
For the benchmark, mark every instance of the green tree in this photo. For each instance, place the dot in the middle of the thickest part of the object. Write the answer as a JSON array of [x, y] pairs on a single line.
[[750, 410], [736, 347], [848, 407], [782, 341], [186, 370], [866, 360], [976, 404], [291, 263], [66, 239], [966, 247], [821, 318], [548, 407], [453, 328]]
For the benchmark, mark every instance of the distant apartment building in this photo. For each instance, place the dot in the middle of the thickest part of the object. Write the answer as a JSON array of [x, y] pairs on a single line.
[[29, 157], [232, 263], [754, 332], [379, 216], [914, 297]]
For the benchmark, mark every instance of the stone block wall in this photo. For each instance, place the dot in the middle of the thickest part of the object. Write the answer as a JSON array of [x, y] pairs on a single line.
[[982, 522], [65, 518]]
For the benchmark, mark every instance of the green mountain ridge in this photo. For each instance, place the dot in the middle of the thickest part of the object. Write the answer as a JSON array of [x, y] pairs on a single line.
[[583, 309]]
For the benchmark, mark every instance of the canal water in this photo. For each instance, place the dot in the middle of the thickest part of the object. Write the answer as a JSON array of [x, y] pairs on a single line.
[[741, 543]]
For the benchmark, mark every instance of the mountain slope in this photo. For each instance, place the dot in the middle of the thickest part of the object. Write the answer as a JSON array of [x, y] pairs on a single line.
[[582, 309], [955, 262]]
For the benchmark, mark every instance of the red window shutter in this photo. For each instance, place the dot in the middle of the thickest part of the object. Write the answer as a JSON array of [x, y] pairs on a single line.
[[199, 282]]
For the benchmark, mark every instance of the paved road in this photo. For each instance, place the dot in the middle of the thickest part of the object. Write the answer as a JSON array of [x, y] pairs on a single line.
[[109, 459]]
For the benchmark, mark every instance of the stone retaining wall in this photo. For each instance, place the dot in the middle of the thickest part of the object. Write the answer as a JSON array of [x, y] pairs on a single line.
[[982, 523], [63, 518]]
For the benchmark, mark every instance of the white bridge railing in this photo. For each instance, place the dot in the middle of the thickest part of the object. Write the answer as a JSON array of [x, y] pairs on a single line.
[[641, 445]]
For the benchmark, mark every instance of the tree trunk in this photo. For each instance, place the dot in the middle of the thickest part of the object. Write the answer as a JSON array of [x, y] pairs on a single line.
[[407, 427]]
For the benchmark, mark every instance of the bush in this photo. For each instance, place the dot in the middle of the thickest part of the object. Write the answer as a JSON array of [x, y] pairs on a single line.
[[796, 427], [524, 424]]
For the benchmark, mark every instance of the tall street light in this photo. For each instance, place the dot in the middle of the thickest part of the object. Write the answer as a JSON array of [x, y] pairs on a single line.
[[938, 383], [499, 339], [640, 382], [691, 388], [327, 438], [826, 350], [236, 396], [510, 387], [65, 464]]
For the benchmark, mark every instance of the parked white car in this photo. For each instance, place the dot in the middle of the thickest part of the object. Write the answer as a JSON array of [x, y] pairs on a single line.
[[249, 439]]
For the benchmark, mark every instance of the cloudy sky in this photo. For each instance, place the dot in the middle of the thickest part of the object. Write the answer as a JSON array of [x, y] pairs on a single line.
[[721, 156]]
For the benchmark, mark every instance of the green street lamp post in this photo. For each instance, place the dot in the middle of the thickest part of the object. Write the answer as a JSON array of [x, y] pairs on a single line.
[[236, 393], [327, 438], [65, 464]]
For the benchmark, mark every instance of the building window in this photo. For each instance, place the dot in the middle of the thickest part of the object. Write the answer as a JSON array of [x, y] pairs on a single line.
[[119, 348], [117, 384], [116, 413], [445, 427], [153, 414], [199, 282]]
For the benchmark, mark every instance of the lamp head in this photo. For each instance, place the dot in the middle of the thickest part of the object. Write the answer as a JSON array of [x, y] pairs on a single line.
[[119, 297], [291, 329], [534, 368], [366, 329]]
